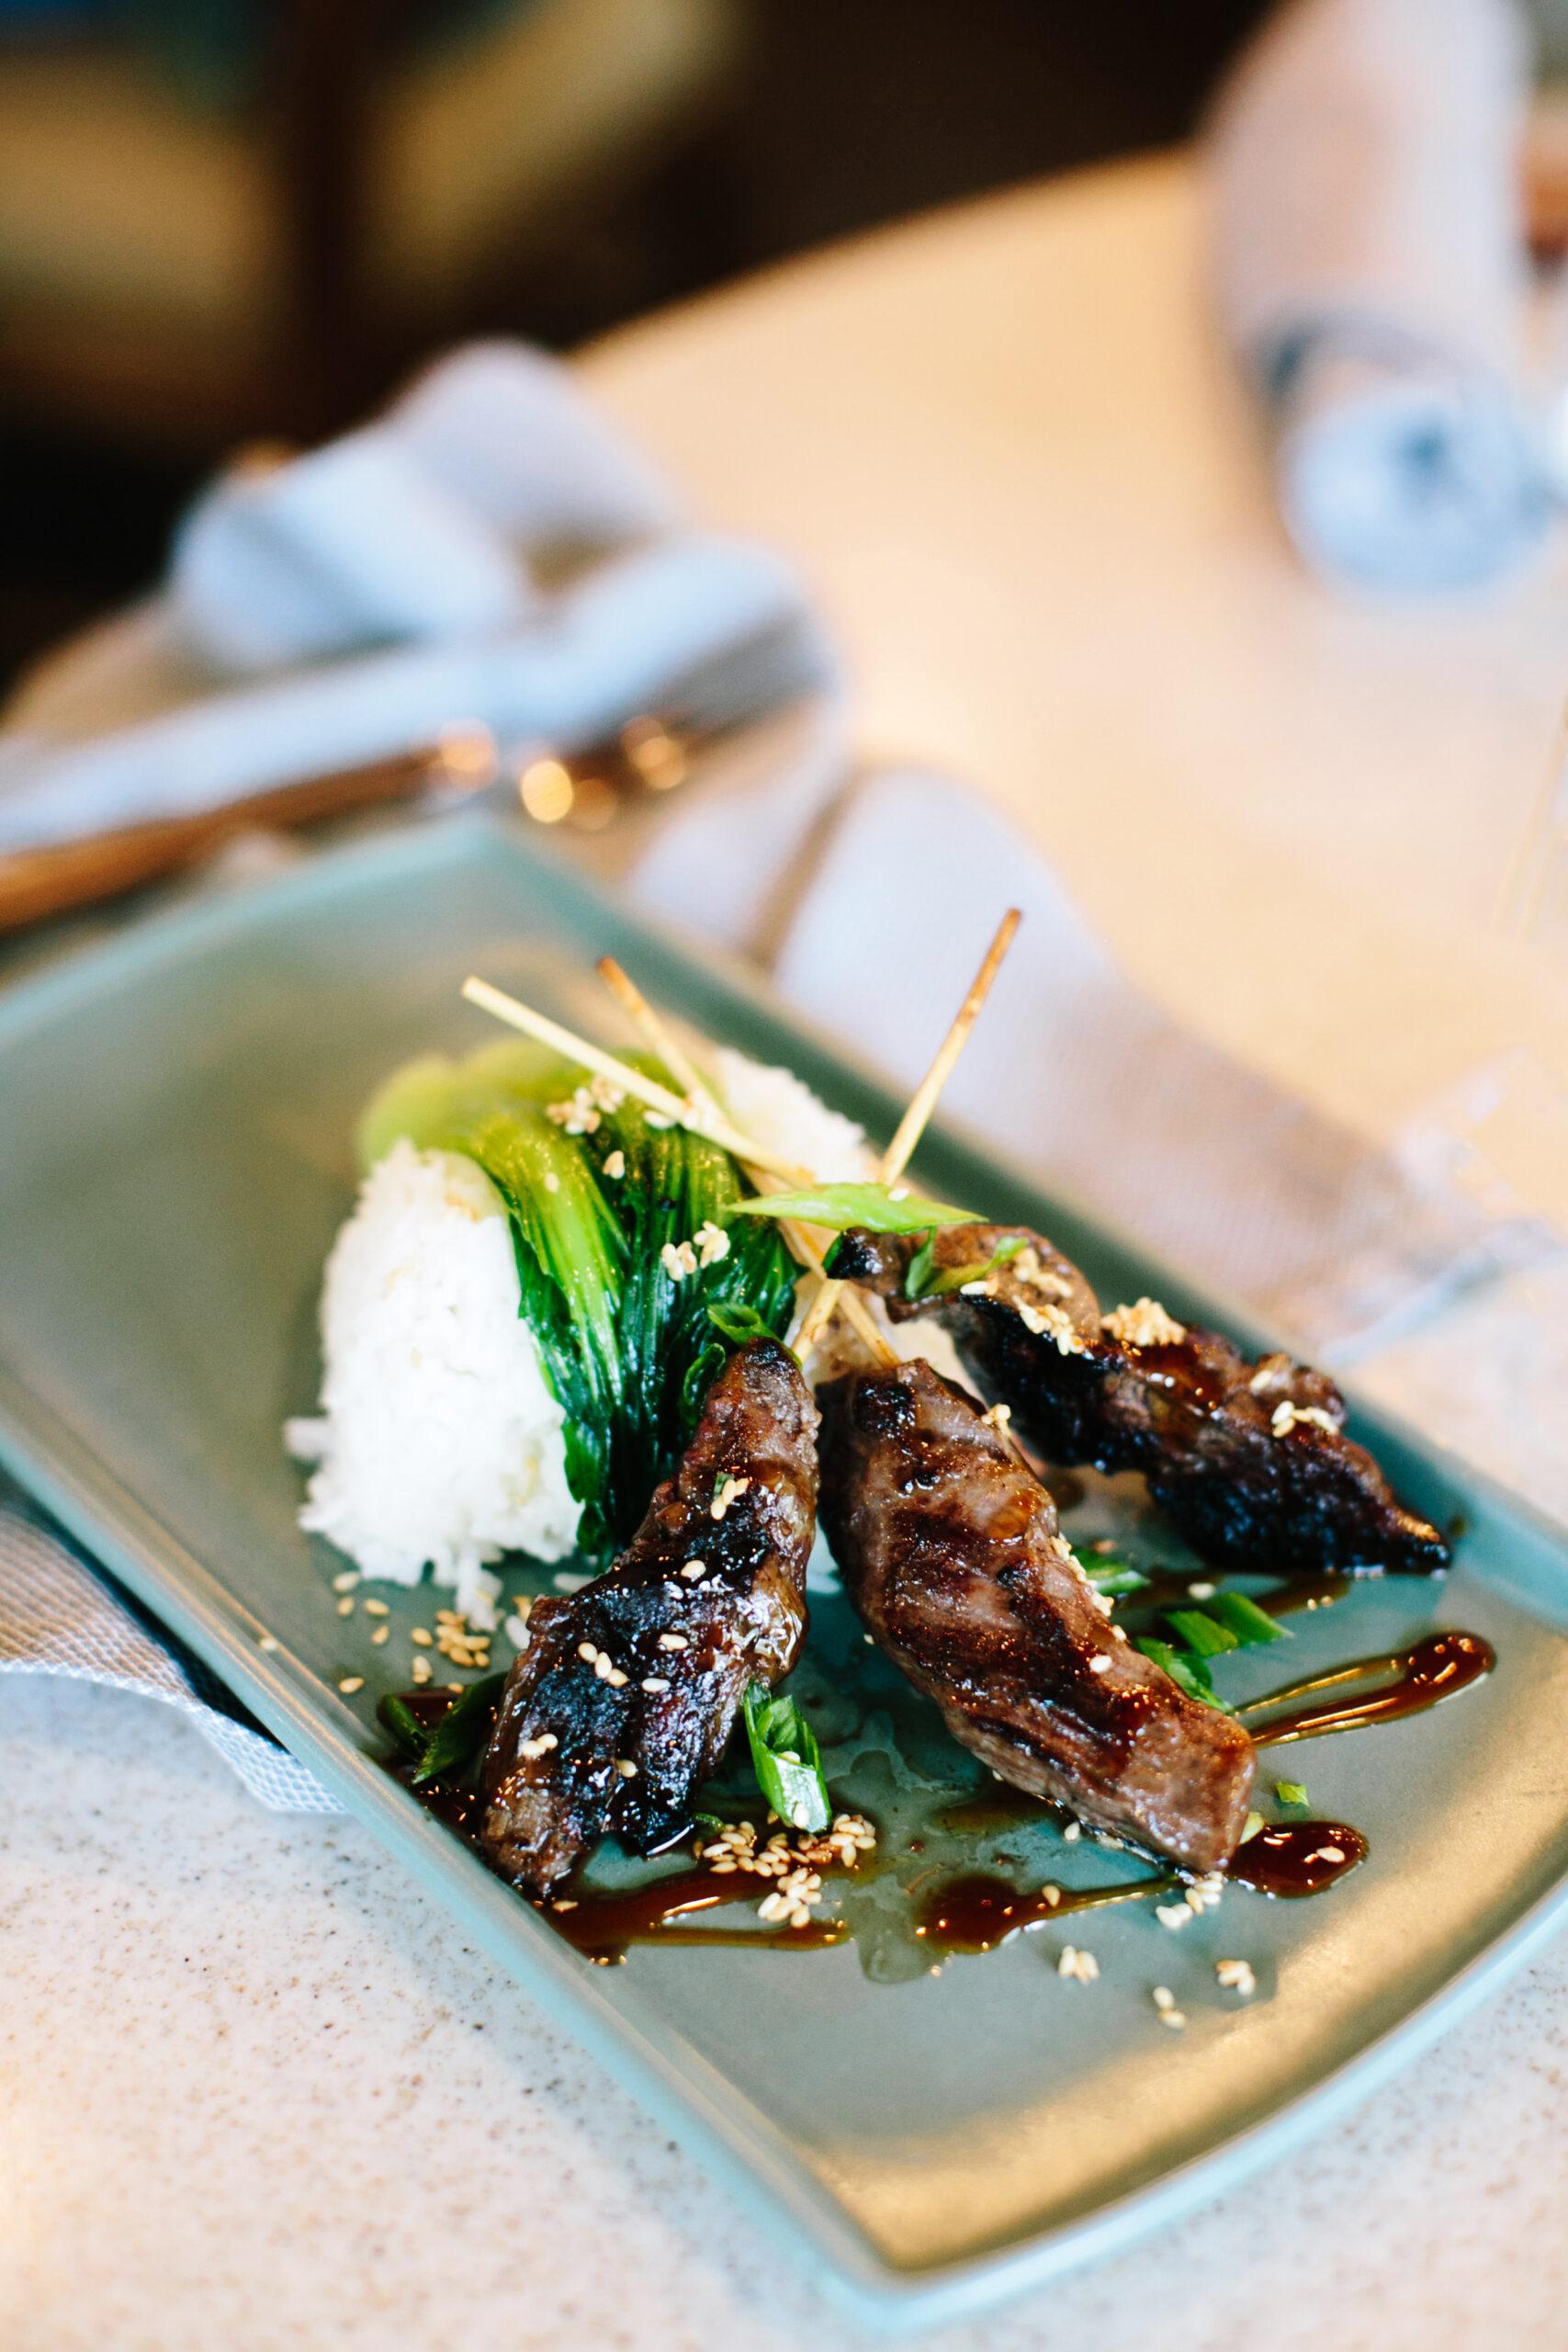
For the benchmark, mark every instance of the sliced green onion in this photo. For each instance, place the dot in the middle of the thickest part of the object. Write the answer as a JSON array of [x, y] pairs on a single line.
[[1113, 1577], [922, 1279], [408, 1735], [1197, 1631], [1187, 1671], [1250, 1625], [1294, 1794], [739, 1324], [787, 1759], [461, 1731], [873, 1206]]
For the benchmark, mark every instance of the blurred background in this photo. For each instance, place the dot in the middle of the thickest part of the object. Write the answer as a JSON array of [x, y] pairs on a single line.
[[223, 218]]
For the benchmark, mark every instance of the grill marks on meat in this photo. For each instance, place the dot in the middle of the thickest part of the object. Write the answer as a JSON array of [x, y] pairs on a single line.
[[1193, 1414], [950, 1553], [581, 1684]]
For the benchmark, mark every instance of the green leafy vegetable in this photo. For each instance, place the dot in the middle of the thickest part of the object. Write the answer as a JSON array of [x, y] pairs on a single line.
[[787, 1759], [408, 1735], [1294, 1794], [1250, 1625], [461, 1731], [924, 1279], [1113, 1577], [1198, 1632], [628, 1349], [449, 1741], [874, 1206], [1187, 1671]]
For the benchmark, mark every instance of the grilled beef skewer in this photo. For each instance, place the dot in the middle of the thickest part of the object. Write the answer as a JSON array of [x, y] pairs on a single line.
[[625, 1698], [1246, 1456], [950, 1549]]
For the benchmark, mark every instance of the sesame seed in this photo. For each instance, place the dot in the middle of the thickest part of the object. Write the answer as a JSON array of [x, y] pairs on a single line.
[[1200, 1591], [1172, 1915], [349, 1683], [1082, 1965], [626, 1768], [540, 1747], [1073, 1832], [1327, 1854], [382, 1634], [1288, 1417], [654, 1682], [267, 1641], [1145, 1324], [604, 1666], [420, 1668], [420, 1636], [1236, 1976], [1164, 1998], [346, 1580], [615, 1166], [564, 1903], [694, 1568], [552, 1181], [376, 1609], [673, 1642], [1100, 1663], [345, 1609], [587, 1652], [615, 1678]]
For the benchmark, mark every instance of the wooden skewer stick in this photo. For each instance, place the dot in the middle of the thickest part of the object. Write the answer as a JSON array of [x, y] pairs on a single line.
[[627, 994], [680, 1111], [923, 1103]]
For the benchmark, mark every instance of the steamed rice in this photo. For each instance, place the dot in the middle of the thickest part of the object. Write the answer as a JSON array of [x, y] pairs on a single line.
[[439, 1443]]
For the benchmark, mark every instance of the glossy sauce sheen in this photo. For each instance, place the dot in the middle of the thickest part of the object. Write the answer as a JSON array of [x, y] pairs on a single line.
[[1433, 1670], [979, 1910], [603, 1925]]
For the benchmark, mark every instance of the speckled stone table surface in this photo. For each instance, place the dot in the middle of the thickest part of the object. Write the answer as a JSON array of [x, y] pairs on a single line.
[[257, 2092], [254, 2090]]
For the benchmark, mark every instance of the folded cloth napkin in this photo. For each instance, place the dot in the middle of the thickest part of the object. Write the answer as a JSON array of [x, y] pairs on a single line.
[[426, 524], [1370, 269], [58, 1616], [348, 606], [1085, 1081]]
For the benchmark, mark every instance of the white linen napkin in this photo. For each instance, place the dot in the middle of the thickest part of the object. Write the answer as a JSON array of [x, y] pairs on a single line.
[[59, 1616], [490, 551], [1370, 276], [1081, 1078]]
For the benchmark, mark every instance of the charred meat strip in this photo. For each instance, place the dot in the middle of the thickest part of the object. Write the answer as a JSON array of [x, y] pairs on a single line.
[[625, 1696], [1246, 1456], [950, 1549]]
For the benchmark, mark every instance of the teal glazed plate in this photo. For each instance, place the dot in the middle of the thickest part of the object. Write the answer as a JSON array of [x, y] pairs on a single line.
[[175, 1119]]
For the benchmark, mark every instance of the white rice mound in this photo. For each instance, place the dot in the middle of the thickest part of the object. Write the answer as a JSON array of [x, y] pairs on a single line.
[[780, 1112], [439, 1443]]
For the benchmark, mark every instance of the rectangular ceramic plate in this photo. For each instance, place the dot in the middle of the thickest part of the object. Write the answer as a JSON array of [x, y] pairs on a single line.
[[174, 1121]]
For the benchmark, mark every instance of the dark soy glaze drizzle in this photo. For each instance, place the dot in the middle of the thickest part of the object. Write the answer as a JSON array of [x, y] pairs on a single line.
[[979, 1910], [1298, 1857], [601, 1927], [1423, 1675]]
